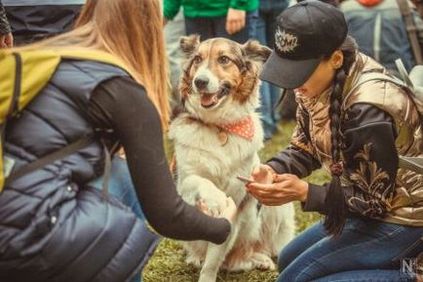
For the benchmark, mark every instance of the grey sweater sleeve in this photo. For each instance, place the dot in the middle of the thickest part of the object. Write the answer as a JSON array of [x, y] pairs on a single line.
[[123, 105], [4, 23]]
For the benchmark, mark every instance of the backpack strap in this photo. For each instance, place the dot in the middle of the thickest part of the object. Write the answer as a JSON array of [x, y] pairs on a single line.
[[57, 155], [411, 163], [375, 76]]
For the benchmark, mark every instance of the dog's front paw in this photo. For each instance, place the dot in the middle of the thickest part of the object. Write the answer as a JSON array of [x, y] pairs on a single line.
[[263, 262], [208, 210]]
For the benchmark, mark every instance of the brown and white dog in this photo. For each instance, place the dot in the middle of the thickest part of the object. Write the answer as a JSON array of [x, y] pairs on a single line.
[[217, 138]]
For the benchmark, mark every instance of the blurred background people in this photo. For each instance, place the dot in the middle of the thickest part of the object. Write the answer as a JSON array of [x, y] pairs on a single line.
[[380, 31], [264, 32], [32, 20], [173, 30], [219, 18]]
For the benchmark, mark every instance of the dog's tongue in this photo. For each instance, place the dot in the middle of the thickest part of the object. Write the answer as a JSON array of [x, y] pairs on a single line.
[[208, 100]]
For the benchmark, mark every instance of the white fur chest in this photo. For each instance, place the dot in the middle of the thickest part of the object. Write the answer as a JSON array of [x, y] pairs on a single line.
[[200, 151]]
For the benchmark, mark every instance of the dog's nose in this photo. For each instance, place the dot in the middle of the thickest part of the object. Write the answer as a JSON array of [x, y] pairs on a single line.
[[201, 82]]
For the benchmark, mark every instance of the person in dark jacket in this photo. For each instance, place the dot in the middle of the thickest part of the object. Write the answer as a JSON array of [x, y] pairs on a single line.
[[33, 20], [6, 37], [355, 129], [54, 226]]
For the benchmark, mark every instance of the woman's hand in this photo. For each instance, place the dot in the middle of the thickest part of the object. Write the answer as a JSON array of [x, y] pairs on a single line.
[[284, 189]]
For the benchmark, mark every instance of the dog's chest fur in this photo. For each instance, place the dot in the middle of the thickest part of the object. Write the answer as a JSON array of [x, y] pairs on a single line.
[[200, 151]]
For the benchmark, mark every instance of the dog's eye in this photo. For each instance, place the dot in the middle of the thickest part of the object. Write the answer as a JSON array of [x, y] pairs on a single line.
[[197, 59], [223, 60]]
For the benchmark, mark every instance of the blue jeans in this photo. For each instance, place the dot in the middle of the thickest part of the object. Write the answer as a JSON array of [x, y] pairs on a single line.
[[215, 27], [264, 32], [367, 250], [121, 187]]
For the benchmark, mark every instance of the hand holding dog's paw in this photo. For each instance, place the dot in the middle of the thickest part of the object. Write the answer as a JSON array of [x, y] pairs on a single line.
[[263, 174]]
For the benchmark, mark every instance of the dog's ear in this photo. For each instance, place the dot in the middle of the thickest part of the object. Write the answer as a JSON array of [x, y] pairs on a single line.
[[256, 52], [189, 44]]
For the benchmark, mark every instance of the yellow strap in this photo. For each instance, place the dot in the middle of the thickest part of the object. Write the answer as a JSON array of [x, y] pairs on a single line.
[[38, 66]]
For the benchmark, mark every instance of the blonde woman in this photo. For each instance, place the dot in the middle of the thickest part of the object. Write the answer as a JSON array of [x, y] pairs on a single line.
[[53, 226]]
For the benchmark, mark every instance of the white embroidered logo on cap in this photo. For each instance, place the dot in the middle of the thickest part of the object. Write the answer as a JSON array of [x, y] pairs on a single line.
[[285, 42]]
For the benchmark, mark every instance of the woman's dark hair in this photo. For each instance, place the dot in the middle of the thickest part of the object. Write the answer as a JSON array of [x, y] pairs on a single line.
[[335, 202]]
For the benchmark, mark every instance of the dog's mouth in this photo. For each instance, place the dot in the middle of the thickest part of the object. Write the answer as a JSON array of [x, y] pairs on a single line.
[[209, 100]]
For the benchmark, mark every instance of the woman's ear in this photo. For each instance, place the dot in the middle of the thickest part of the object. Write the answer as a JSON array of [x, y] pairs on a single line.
[[337, 59]]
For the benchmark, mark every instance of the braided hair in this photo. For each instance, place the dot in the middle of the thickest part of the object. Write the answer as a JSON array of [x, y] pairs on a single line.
[[335, 202]]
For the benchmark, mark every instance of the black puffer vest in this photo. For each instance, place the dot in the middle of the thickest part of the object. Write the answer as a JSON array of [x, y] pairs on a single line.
[[52, 227]]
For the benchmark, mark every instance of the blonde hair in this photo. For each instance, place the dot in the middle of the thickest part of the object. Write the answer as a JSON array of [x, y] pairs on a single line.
[[131, 30]]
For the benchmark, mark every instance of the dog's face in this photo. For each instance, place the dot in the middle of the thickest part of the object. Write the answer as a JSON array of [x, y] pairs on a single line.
[[220, 78]]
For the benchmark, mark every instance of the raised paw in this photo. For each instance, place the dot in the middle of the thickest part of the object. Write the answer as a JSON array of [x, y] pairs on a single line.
[[210, 211]]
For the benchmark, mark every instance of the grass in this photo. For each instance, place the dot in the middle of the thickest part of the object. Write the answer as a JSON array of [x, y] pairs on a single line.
[[168, 265]]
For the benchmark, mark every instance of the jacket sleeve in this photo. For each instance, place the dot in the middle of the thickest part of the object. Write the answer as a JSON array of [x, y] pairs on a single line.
[[4, 24], [171, 8], [298, 158], [370, 160]]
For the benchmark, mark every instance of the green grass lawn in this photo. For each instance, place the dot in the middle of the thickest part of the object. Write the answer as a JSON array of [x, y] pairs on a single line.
[[168, 263]]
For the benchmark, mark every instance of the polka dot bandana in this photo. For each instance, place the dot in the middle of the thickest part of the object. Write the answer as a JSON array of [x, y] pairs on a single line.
[[243, 128]]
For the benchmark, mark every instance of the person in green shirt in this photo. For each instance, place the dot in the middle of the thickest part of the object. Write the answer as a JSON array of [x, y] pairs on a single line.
[[231, 19]]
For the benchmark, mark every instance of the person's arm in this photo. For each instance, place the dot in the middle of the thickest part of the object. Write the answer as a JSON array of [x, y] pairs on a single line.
[[171, 9], [6, 38], [123, 105], [298, 158], [371, 162]]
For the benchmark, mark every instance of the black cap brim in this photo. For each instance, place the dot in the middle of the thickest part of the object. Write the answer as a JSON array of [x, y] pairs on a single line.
[[288, 74]]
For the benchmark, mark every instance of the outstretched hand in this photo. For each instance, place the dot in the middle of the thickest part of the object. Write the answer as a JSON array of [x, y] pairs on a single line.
[[285, 188]]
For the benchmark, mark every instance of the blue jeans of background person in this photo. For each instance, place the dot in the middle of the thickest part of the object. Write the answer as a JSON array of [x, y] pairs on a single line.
[[216, 27], [367, 250], [264, 32], [121, 187]]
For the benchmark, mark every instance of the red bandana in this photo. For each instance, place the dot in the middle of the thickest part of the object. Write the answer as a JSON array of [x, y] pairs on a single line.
[[243, 127]]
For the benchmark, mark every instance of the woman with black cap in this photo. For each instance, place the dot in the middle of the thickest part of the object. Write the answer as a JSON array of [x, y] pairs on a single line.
[[354, 128]]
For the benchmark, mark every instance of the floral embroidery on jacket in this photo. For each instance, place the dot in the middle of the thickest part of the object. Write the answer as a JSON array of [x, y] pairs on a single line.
[[374, 184]]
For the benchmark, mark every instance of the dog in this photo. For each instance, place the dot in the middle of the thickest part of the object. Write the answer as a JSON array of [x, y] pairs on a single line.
[[217, 138]]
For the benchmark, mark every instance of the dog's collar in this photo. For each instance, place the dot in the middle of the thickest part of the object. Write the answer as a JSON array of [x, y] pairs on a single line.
[[243, 127]]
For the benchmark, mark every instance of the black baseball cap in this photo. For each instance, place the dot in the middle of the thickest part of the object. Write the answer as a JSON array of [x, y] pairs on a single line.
[[305, 34]]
